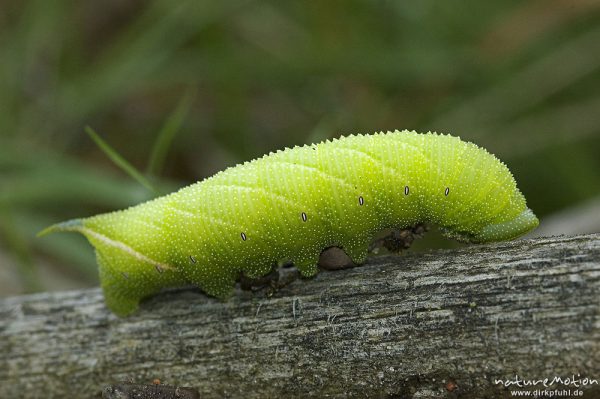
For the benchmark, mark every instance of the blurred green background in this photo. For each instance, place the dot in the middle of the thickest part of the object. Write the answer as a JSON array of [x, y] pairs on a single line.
[[184, 89]]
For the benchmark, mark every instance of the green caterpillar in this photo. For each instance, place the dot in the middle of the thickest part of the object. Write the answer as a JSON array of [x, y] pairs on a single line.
[[292, 204]]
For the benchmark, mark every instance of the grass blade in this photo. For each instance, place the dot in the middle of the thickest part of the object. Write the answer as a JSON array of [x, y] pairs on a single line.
[[119, 160], [166, 134]]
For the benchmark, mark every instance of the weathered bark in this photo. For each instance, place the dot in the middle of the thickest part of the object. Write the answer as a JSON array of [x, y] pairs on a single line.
[[440, 324]]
